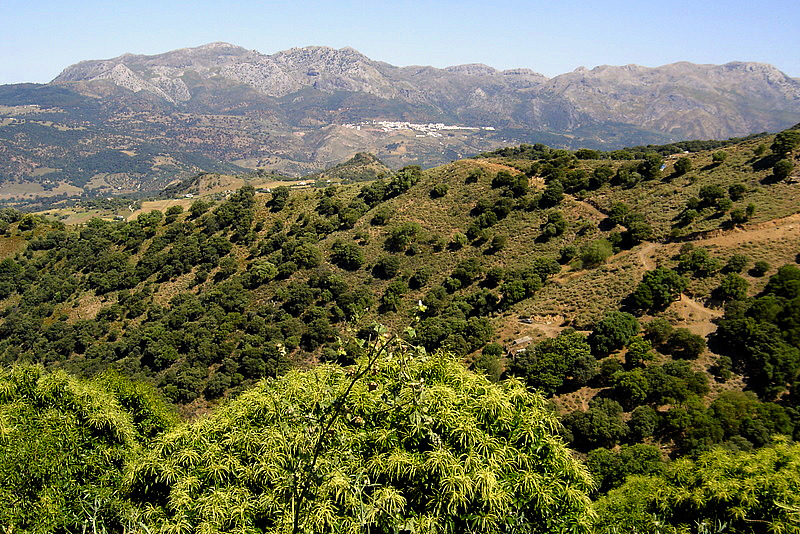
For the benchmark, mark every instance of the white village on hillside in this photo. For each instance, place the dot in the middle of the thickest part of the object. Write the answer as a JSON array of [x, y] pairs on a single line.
[[423, 130]]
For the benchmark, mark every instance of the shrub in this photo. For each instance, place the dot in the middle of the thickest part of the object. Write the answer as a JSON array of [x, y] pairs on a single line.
[[760, 268], [658, 330], [348, 256], [458, 241], [498, 243], [736, 191], [280, 196], [567, 253], [697, 260], [602, 175], [682, 166], [643, 423], [732, 287], [392, 297], [198, 208], [553, 363], [307, 256], [600, 426], [586, 153], [613, 332], [640, 350], [719, 156], [658, 289], [785, 142], [711, 195], [650, 167], [739, 216], [619, 212], [637, 232], [553, 194], [420, 278], [382, 216], [439, 190], [688, 216], [684, 344], [400, 237], [737, 263], [596, 252], [783, 168], [554, 226], [475, 175], [386, 267]]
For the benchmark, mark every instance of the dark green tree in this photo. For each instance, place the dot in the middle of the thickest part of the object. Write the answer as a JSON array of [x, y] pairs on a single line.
[[719, 156], [785, 142], [683, 165], [348, 256], [684, 344], [658, 289], [613, 332], [783, 168], [650, 167], [600, 426], [732, 287]]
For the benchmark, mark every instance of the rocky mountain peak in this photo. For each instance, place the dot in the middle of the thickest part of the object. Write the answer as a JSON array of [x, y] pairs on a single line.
[[656, 99], [472, 69]]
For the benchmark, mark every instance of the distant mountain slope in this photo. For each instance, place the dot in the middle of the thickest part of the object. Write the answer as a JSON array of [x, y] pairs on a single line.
[[731, 99], [142, 118]]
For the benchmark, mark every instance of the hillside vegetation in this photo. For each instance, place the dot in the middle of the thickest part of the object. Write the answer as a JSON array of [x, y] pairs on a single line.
[[653, 299]]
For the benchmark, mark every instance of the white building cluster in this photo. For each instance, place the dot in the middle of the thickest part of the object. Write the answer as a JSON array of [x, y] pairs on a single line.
[[422, 130]]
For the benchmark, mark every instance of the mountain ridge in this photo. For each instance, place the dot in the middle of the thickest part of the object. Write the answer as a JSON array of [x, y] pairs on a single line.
[[330, 70], [138, 118]]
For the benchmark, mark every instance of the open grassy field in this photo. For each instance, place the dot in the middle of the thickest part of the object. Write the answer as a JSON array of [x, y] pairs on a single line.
[[9, 190]]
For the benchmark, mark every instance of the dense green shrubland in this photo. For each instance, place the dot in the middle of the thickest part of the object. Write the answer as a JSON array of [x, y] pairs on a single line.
[[206, 303]]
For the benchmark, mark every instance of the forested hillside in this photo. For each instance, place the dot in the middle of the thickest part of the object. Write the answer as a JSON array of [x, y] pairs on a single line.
[[651, 294]]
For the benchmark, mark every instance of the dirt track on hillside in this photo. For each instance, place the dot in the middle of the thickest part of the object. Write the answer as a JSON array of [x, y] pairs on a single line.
[[699, 318]]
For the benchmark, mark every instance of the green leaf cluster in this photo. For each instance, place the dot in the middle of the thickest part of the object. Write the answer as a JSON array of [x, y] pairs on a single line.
[[419, 445]]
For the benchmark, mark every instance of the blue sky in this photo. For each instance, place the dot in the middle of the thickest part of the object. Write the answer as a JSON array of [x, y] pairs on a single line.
[[39, 38]]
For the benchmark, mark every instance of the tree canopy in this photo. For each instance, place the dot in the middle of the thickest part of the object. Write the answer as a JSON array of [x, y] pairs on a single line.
[[744, 492], [63, 445], [402, 442]]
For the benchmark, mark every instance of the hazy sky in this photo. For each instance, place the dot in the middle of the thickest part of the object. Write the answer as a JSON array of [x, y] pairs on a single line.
[[39, 38]]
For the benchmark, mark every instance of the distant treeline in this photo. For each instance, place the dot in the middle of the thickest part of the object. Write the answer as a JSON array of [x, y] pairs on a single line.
[[540, 151]]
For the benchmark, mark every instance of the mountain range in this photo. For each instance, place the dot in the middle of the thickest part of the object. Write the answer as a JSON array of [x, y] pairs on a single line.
[[135, 122]]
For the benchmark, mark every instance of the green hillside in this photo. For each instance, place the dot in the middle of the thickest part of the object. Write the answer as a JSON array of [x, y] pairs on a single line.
[[654, 301], [362, 167]]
